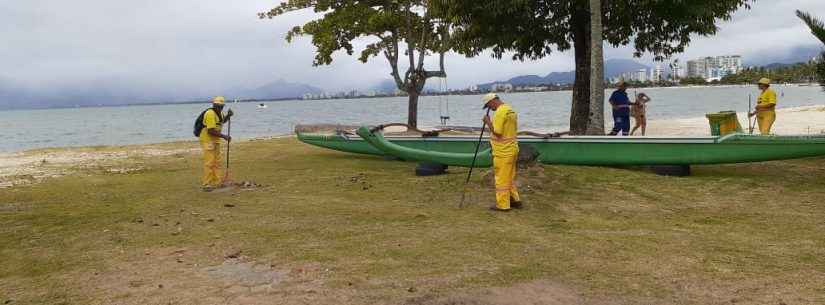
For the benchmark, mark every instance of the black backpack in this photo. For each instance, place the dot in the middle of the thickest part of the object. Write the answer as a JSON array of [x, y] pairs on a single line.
[[199, 124]]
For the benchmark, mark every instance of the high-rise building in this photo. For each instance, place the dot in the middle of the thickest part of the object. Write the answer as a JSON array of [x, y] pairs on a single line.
[[732, 64], [697, 68], [656, 74], [711, 68], [640, 75], [676, 72]]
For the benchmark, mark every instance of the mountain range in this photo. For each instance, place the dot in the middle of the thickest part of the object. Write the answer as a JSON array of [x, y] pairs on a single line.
[[280, 89], [114, 92], [612, 68], [123, 91]]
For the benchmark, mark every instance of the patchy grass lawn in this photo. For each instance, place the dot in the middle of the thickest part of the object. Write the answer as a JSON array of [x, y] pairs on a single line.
[[334, 228]]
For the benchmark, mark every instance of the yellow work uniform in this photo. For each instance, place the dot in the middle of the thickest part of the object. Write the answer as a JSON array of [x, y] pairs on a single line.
[[766, 118], [505, 155], [211, 150]]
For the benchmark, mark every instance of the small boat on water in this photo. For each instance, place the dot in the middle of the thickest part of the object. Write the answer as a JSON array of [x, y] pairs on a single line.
[[458, 150], [261, 106]]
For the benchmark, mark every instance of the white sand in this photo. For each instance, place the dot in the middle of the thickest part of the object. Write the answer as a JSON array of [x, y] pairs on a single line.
[[789, 121], [35, 166]]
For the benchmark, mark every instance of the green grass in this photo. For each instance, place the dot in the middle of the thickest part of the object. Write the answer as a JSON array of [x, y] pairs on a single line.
[[750, 234]]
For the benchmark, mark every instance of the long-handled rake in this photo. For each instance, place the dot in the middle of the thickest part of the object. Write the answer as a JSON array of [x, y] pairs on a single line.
[[473, 164], [227, 177]]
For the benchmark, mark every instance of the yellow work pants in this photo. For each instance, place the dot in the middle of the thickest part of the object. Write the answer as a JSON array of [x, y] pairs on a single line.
[[505, 174], [765, 120], [211, 164]]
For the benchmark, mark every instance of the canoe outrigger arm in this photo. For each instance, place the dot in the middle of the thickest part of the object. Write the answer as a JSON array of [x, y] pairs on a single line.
[[377, 140], [434, 133]]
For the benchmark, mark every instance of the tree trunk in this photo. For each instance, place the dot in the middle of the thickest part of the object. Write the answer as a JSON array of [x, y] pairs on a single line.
[[412, 108], [595, 125], [580, 110]]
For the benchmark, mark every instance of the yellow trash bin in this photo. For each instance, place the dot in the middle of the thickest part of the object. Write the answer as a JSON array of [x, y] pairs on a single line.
[[723, 123]]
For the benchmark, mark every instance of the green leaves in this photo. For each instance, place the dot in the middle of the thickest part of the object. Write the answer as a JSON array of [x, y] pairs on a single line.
[[531, 29], [380, 25], [817, 26], [798, 73]]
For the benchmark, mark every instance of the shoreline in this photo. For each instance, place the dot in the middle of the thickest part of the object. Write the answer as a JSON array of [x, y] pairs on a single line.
[[35, 165]]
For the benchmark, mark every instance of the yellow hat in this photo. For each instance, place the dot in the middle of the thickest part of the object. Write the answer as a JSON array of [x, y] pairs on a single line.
[[488, 97], [219, 100], [764, 81]]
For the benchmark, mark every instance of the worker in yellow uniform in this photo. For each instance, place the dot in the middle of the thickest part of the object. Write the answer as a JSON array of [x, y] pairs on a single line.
[[765, 111], [210, 139], [503, 130]]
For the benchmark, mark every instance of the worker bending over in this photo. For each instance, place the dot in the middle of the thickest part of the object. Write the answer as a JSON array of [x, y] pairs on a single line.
[[503, 130]]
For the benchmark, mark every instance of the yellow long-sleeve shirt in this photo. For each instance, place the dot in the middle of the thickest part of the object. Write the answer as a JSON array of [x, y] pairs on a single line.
[[505, 123]]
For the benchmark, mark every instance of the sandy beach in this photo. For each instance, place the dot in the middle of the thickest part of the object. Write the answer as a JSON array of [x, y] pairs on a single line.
[[789, 121]]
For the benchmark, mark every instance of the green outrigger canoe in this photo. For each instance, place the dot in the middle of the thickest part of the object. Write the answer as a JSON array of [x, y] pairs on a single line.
[[579, 150]]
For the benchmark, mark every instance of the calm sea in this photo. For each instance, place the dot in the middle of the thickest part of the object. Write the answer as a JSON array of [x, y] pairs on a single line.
[[537, 111]]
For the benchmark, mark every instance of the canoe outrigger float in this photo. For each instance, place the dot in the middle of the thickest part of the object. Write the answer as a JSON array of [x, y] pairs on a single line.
[[457, 150]]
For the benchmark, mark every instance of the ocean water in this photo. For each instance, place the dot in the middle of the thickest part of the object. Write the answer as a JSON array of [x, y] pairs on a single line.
[[543, 111]]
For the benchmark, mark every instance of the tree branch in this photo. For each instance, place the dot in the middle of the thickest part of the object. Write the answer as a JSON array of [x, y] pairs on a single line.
[[439, 73], [392, 56]]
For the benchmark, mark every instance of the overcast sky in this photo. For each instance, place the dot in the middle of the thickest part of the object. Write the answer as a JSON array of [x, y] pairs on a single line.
[[201, 45]]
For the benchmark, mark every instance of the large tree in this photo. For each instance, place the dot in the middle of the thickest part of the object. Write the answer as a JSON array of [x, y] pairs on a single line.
[[383, 26], [818, 29], [533, 29]]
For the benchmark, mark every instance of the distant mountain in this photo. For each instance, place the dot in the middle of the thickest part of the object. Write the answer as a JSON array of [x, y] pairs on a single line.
[[385, 86], [615, 67], [776, 65], [526, 80], [612, 67], [121, 92], [788, 56], [279, 89], [97, 93]]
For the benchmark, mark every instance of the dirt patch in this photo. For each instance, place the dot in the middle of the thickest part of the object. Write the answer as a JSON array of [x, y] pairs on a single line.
[[175, 276], [246, 276], [531, 293], [36, 166]]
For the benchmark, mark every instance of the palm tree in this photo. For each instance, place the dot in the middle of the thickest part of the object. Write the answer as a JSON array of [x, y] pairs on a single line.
[[816, 25], [818, 29], [595, 126]]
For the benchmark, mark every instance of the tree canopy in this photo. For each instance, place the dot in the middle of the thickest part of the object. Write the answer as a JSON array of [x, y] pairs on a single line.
[[797, 73], [817, 29], [383, 26], [533, 29]]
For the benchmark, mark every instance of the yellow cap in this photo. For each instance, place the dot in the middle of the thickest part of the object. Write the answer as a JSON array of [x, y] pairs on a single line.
[[220, 100], [489, 97], [764, 81]]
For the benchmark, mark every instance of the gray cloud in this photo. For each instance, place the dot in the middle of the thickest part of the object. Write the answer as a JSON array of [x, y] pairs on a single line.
[[200, 47]]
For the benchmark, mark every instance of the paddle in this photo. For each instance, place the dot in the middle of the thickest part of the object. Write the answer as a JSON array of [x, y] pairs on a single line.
[[473, 164]]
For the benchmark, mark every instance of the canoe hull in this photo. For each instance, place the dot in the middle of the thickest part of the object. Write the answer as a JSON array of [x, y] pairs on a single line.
[[593, 150], [737, 149]]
